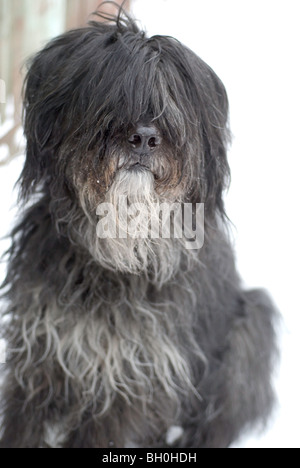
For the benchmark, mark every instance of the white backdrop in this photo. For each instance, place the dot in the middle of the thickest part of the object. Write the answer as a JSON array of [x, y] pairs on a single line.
[[254, 47]]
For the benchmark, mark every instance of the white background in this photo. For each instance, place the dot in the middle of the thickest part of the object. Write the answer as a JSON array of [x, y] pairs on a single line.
[[253, 45]]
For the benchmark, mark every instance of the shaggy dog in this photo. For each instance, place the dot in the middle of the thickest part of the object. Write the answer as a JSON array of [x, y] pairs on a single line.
[[114, 339]]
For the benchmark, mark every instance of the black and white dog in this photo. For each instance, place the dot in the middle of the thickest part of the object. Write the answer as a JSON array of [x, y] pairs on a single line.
[[113, 336]]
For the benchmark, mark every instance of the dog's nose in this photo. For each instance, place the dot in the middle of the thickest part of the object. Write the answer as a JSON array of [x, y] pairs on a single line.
[[144, 139]]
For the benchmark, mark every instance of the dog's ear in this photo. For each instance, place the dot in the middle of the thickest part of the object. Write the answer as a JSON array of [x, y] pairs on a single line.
[[41, 117], [47, 90], [207, 128], [215, 136]]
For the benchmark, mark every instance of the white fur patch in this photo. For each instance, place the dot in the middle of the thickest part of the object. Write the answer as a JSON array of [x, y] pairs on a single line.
[[54, 435], [173, 434]]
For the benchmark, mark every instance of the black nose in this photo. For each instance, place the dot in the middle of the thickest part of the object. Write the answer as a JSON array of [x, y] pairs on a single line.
[[144, 139]]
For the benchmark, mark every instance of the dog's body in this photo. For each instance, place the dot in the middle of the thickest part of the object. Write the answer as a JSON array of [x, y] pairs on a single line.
[[113, 341]]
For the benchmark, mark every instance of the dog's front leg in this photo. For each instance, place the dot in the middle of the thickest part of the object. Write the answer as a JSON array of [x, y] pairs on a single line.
[[22, 425], [242, 394], [96, 432]]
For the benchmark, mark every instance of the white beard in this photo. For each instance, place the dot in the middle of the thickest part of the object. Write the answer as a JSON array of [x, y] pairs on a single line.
[[130, 235], [134, 250]]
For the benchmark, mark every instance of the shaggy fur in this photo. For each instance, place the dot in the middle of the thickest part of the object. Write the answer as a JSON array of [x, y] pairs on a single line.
[[113, 341]]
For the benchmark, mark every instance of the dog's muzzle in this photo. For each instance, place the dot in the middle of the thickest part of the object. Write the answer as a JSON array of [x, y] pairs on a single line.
[[144, 141]]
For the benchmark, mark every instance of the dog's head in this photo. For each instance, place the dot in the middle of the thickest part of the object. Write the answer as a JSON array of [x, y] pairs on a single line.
[[106, 97], [106, 105]]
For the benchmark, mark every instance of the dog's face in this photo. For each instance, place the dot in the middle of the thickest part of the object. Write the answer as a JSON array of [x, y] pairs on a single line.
[[109, 110]]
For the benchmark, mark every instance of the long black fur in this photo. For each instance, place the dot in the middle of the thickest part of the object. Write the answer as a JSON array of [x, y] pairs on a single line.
[[98, 356]]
